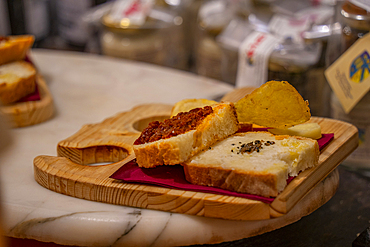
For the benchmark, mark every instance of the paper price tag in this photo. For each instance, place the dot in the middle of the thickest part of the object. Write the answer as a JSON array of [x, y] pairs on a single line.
[[134, 10], [349, 76], [254, 53]]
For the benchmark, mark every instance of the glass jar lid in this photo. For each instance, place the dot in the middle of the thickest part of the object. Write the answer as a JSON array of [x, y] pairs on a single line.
[[355, 16], [153, 18], [350, 10]]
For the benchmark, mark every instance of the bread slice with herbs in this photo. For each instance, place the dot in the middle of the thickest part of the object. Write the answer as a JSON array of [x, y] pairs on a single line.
[[253, 162], [17, 79], [175, 140]]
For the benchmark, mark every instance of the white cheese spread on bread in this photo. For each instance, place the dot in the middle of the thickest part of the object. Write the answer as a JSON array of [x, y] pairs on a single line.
[[252, 162]]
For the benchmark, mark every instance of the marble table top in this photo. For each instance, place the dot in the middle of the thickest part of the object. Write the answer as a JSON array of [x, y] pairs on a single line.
[[87, 89]]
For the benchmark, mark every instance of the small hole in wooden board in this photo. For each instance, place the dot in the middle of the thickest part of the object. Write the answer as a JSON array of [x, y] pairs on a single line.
[[100, 164]]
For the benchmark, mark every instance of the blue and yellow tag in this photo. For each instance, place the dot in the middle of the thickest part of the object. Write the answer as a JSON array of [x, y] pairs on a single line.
[[359, 70], [349, 75]]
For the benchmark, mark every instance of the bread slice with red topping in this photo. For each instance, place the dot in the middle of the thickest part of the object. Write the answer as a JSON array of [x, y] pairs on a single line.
[[175, 140], [253, 162]]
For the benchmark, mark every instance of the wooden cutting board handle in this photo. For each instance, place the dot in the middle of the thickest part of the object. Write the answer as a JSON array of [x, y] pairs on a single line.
[[28, 113], [112, 139]]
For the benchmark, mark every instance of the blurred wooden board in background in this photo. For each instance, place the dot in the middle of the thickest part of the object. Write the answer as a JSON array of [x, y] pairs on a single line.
[[28, 113]]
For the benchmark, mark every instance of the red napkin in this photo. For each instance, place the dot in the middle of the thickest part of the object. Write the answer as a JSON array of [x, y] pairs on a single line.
[[35, 96], [173, 177]]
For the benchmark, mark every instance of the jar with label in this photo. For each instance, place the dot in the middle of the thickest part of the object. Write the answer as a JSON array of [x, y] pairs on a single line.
[[320, 97], [154, 37], [355, 23], [229, 41], [190, 15], [293, 62], [287, 60], [184, 10], [213, 17]]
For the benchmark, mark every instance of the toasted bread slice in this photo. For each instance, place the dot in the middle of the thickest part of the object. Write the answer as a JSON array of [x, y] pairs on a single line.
[[14, 48], [219, 124], [17, 79], [253, 162]]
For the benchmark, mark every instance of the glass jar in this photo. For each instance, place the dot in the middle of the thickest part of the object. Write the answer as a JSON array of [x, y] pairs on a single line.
[[320, 97], [289, 61], [159, 40], [230, 41], [213, 18], [293, 62], [355, 23], [189, 11]]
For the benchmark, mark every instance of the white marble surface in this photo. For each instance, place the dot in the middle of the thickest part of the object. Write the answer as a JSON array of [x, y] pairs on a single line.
[[88, 89]]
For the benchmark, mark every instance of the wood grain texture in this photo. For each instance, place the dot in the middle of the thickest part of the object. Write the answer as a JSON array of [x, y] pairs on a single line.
[[111, 140], [32, 112], [346, 140]]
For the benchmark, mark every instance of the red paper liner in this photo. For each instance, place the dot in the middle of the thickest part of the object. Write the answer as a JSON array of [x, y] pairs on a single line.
[[35, 96], [173, 177]]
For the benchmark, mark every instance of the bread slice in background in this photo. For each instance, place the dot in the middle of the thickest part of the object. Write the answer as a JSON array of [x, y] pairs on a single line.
[[17, 79], [221, 123], [262, 172], [14, 48]]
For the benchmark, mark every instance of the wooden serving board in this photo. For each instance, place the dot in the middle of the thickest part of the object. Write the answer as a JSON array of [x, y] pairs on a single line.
[[111, 141], [31, 112]]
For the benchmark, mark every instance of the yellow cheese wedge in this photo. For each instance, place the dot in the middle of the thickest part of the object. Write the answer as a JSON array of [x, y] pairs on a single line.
[[310, 130]]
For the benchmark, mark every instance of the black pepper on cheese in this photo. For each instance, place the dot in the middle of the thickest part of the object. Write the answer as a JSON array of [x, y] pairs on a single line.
[[250, 147]]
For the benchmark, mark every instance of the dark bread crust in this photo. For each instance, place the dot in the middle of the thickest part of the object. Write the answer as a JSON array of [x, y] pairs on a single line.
[[263, 184], [216, 168]]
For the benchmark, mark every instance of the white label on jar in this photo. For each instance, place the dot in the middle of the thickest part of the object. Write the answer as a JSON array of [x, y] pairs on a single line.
[[288, 27], [293, 26], [254, 53], [319, 14], [365, 4], [134, 10]]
